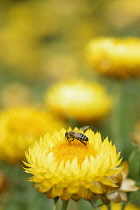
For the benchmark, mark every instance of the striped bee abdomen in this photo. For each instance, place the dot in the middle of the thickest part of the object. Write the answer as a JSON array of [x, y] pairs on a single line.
[[81, 136]]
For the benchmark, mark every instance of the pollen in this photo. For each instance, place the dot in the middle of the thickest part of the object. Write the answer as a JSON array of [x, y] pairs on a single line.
[[68, 151]]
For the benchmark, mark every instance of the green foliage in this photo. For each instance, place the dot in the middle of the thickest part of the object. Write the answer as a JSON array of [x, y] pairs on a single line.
[[134, 162]]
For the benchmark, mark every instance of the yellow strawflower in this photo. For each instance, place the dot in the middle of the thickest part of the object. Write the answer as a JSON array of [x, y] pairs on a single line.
[[117, 206], [81, 100], [115, 57], [126, 185], [20, 127], [72, 170]]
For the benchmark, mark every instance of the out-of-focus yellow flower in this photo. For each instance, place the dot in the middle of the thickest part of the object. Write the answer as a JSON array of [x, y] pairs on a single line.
[[33, 29], [19, 127], [127, 185], [22, 35], [114, 57], [83, 101], [72, 170], [117, 206]]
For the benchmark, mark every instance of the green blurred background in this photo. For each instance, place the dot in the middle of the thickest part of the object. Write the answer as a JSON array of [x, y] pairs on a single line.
[[43, 42]]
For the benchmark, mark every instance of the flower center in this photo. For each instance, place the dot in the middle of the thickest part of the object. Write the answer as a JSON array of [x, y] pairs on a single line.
[[66, 151]]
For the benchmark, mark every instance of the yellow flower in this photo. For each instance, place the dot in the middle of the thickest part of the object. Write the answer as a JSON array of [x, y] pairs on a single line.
[[20, 34], [115, 57], [19, 127], [72, 170], [81, 100], [127, 185], [117, 206]]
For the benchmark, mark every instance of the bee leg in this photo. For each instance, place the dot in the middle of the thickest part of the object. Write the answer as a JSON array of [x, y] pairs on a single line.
[[84, 143], [67, 139], [72, 140]]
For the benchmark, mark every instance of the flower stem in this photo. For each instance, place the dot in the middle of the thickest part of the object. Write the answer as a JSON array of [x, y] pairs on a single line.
[[123, 206], [56, 207], [93, 204], [109, 206], [64, 205], [116, 116]]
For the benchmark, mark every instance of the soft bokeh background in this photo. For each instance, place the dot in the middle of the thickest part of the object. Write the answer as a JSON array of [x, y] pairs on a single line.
[[44, 42]]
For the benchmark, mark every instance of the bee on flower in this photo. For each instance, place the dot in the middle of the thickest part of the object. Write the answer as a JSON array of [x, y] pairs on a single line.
[[74, 170], [76, 134]]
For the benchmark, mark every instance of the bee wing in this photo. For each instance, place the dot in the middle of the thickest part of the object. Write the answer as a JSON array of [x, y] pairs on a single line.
[[76, 135], [81, 129], [84, 128]]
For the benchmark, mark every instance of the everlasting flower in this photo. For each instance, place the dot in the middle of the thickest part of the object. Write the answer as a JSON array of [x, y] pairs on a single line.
[[117, 206], [114, 57], [19, 127], [83, 101], [72, 170], [127, 185]]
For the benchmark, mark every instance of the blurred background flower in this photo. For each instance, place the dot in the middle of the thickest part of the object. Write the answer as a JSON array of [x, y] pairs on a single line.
[[83, 101], [34, 31], [115, 57], [20, 127]]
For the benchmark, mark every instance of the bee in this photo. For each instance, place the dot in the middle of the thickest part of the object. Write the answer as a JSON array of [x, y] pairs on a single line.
[[75, 134]]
